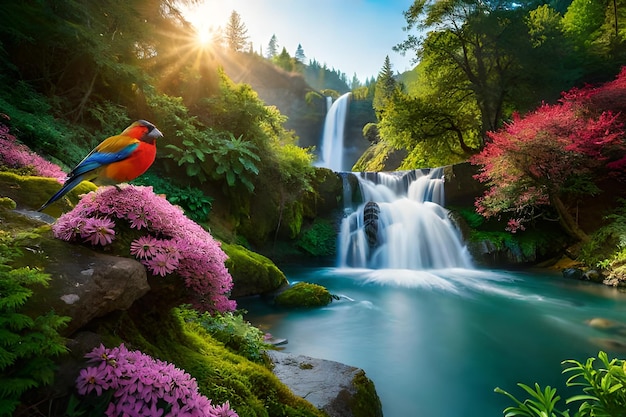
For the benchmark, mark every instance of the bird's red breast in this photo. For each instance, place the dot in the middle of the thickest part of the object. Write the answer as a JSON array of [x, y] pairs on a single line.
[[133, 166]]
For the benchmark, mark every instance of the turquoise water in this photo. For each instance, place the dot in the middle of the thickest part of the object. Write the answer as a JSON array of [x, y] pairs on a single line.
[[437, 343]]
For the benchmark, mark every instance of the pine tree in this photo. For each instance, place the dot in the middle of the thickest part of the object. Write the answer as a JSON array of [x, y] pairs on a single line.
[[300, 57], [272, 47], [385, 86], [236, 33], [355, 83], [284, 60]]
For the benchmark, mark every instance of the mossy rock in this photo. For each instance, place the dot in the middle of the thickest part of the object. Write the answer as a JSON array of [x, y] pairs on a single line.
[[31, 192], [365, 403], [304, 294], [252, 273]]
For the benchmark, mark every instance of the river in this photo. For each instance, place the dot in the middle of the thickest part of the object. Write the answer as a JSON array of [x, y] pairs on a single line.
[[436, 343]]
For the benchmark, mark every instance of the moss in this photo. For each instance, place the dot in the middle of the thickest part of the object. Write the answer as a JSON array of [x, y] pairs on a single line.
[[32, 192], [7, 203], [365, 402], [252, 273], [304, 294]]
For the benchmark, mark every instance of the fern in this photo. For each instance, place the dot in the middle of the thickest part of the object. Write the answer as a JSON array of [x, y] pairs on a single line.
[[27, 345]]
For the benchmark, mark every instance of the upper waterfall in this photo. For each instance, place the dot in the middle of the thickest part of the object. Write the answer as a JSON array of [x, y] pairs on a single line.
[[401, 224], [332, 153]]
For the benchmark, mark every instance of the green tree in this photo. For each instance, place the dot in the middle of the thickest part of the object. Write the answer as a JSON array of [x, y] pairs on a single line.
[[272, 47], [583, 20], [300, 56], [385, 87], [236, 33], [355, 83], [477, 44], [284, 60]]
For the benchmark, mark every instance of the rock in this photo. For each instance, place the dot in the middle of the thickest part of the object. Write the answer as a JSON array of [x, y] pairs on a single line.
[[593, 275], [461, 188], [607, 325], [339, 390], [252, 273], [304, 294], [370, 222], [86, 284], [573, 273]]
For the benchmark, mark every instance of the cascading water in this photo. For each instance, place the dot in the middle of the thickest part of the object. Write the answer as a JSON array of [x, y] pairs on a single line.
[[401, 224], [332, 152]]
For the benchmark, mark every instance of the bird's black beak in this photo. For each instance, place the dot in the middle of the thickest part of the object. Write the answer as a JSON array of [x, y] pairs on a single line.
[[154, 133]]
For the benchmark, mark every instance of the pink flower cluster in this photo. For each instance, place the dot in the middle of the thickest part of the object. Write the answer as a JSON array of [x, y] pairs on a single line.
[[17, 155], [513, 225], [172, 243], [144, 386]]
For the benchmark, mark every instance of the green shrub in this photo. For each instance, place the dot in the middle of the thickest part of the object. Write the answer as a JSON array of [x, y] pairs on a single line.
[[603, 393], [607, 246], [196, 204], [319, 240], [232, 330], [27, 345]]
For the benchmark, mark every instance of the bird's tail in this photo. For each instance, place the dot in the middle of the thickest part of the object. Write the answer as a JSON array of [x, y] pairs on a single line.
[[67, 187]]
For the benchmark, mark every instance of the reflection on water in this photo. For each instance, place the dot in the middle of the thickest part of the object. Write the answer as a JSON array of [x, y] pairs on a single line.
[[437, 342]]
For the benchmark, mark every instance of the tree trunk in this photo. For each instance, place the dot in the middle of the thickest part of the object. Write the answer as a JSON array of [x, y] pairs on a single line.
[[83, 103], [567, 221]]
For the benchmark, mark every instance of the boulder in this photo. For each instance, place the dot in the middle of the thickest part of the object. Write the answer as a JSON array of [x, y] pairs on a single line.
[[573, 273], [85, 284], [337, 389], [252, 273], [303, 294]]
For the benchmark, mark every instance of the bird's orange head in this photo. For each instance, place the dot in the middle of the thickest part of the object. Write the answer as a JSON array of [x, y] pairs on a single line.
[[143, 130]]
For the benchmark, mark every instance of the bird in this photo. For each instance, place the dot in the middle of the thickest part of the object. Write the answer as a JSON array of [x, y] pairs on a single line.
[[116, 159]]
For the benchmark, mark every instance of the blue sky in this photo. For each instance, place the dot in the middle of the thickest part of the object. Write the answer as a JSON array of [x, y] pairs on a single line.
[[352, 36]]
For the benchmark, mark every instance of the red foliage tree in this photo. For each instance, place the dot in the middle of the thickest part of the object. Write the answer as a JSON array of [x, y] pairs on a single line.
[[554, 152]]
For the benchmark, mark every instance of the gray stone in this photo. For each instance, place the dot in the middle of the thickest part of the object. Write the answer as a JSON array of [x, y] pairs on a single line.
[[85, 285], [333, 387]]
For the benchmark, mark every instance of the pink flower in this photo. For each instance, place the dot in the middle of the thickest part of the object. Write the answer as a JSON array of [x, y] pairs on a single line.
[[17, 155], [513, 225], [144, 386], [162, 264], [138, 219], [224, 410], [144, 247], [90, 379], [98, 231]]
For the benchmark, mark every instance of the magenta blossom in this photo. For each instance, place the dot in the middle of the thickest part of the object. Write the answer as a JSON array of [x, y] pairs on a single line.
[[144, 386], [17, 155], [98, 231]]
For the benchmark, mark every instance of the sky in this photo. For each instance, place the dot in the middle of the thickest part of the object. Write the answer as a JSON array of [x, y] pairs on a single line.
[[351, 36]]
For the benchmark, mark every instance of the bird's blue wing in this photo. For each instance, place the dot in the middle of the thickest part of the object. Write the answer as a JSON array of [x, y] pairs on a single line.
[[96, 159]]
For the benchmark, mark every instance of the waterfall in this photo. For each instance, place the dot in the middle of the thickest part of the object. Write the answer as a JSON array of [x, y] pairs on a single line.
[[401, 224], [331, 154]]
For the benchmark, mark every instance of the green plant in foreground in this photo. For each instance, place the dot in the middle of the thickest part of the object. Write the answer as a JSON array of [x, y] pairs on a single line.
[[603, 388], [26, 344]]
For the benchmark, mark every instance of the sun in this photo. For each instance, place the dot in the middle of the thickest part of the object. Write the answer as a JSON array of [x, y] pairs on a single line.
[[203, 36]]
